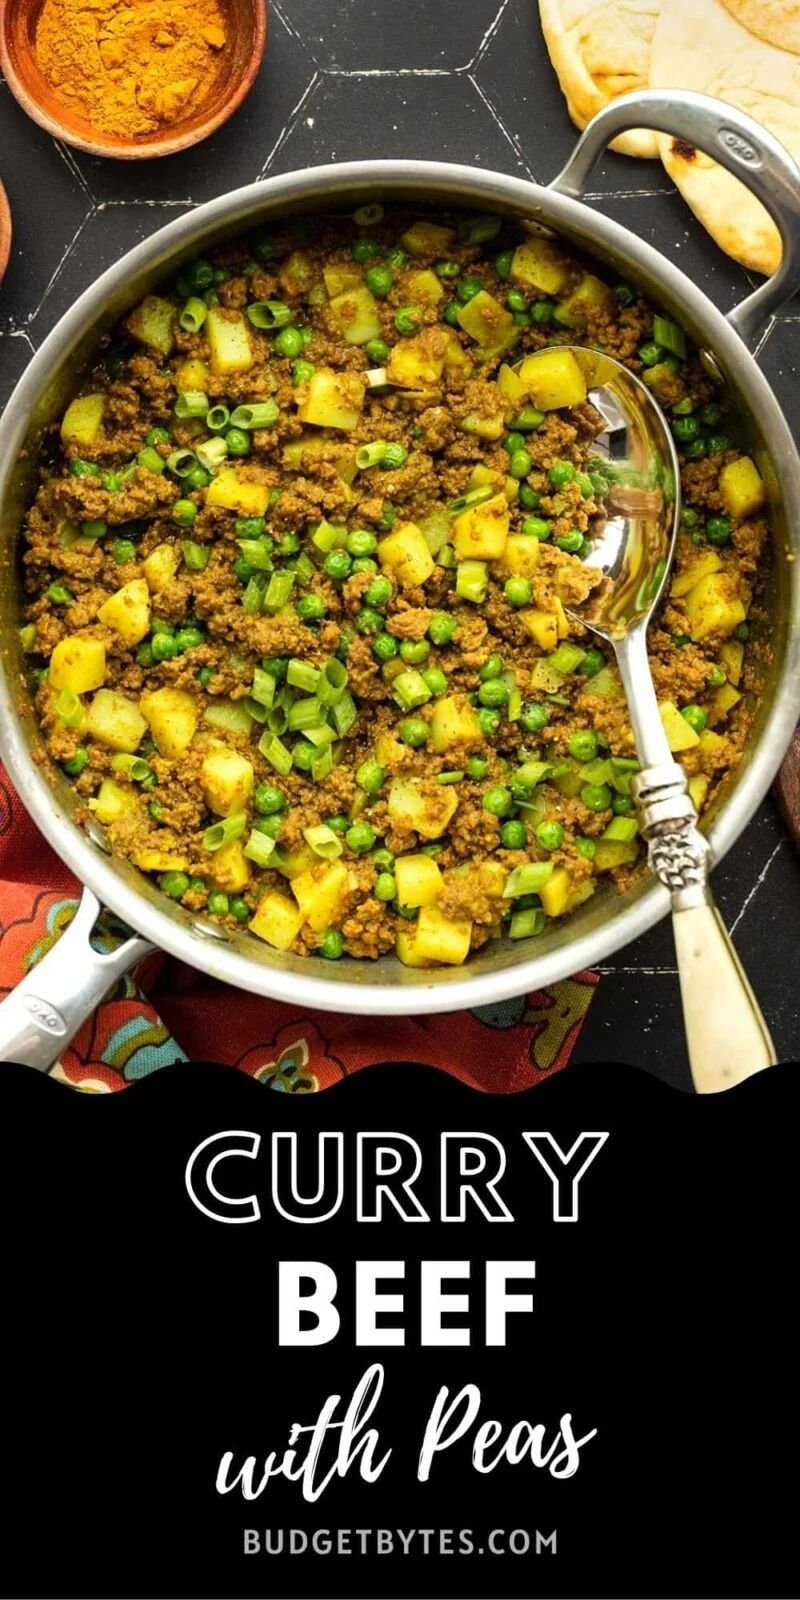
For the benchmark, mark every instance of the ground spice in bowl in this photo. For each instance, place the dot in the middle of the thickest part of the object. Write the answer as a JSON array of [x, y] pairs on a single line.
[[130, 67]]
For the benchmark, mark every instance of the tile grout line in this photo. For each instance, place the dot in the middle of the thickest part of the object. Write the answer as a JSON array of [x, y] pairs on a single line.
[[291, 124], [756, 886], [496, 118]]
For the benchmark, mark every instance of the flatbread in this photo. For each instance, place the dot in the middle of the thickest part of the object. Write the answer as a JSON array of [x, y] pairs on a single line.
[[601, 49], [699, 45], [777, 22]]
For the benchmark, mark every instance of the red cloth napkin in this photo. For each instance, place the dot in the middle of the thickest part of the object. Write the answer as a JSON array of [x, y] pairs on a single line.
[[172, 1012]]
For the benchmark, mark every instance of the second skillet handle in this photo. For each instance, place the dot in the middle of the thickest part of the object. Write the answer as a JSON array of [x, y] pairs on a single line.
[[45, 1011], [739, 144]]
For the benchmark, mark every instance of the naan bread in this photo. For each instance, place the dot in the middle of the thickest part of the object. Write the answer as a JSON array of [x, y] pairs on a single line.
[[775, 21], [601, 49], [699, 45]]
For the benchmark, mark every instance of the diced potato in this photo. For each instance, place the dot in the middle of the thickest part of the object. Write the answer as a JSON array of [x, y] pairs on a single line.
[[418, 879], [171, 716], [723, 702], [544, 678], [539, 264], [231, 716], [440, 939], [427, 239], [78, 664], [512, 386], [555, 894], [520, 556], [69, 536], [562, 622], [356, 314], [488, 322], [406, 554], [192, 374], [151, 859], [427, 813], [340, 276], [389, 752], [742, 488], [319, 893], [713, 746], [153, 323], [277, 920], [455, 354], [406, 946], [454, 723], [83, 419], [335, 399], [437, 529], [680, 736], [704, 563], [731, 660], [415, 363], [482, 531], [484, 427], [113, 801], [229, 341], [233, 494], [424, 287], [230, 868], [589, 296], [713, 606], [128, 611], [542, 627], [114, 720], [293, 863], [699, 785], [611, 853], [553, 379], [161, 566], [226, 778], [492, 879]]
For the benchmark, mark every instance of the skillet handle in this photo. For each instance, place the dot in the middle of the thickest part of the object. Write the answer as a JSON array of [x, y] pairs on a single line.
[[45, 1011], [739, 144]]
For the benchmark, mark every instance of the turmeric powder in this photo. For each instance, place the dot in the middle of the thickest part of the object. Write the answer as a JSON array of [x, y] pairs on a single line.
[[130, 66]]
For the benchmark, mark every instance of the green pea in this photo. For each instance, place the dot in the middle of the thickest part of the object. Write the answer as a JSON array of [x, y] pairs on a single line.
[[160, 625], [198, 478], [447, 269], [415, 651], [164, 647], [338, 823], [380, 281], [123, 550], [491, 668], [218, 903], [379, 592], [59, 594], [396, 257], [514, 835], [697, 450], [710, 413], [368, 620], [502, 265], [302, 372], [718, 443], [488, 721], [583, 745], [363, 564], [370, 776], [477, 768], [289, 343], [360, 837], [696, 717], [493, 693], [239, 908], [74, 767], [385, 887], [542, 311], [560, 474], [238, 442], [528, 498], [450, 313], [717, 678], [586, 848], [376, 351], [268, 799], [550, 835], [441, 628], [686, 428], [385, 647], [741, 633], [331, 946], [622, 805], [513, 442], [184, 512], [467, 289], [718, 530], [158, 436], [364, 249], [533, 717], [337, 565], [592, 663], [520, 464], [435, 680], [571, 542], [414, 732], [242, 570], [408, 320], [596, 796], [689, 518], [304, 755], [384, 860], [518, 591], [498, 800], [174, 884], [394, 457], [249, 527], [289, 544], [516, 300], [144, 653], [311, 608], [362, 543], [188, 639]]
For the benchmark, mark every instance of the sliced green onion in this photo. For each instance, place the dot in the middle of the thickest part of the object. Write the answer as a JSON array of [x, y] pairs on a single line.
[[258, 414], [259, 848], [191, 403], [277, 754], [566, 658], [322, 764], [278, 591], [211, 453], [345, 713], [133, 766], [254, 709], [476, 230], [269, 314], [524, 924], [669, 336], [622, 828], [181, 462], [450, 777], [371, 455], [528, 879], [305, 714], [514, 707], [195, 555], [69, 709], [530, 773], [323, 841], [253, 597], [473, 497], [224, 832], [278, 718], [264, 686], [472, 581], [257, 553], [368, 216], [150, 459], [218, 419], [301, 675], [332, 682], [410, 690], [319, 734], [303, 568], [193, 315], [328, 537]]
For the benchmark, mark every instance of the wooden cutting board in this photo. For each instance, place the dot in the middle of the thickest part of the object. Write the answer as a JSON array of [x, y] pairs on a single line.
[[787, 788]]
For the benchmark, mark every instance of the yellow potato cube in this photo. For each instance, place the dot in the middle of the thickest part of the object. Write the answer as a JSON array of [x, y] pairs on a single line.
[[713, 606], [233, 494], [428, 813], [128, 611], [546, 679], [542, 627], [415, 363], [520, 556], [406, 947], [590, 295], [553, 379], [440, 939], [742, 488], [334, 399], [341, 276], [229, 341], [151, 859], [406, 554], [723, 702], [389, 752], [171, 716], [555, 894], [83, 419], [226, 779], [153, 323], [114, 720], [454, 722], [611, 853], [161, 566], [708, 561], [418, 879], [192, 374], [713, 746], [699, 785], [78, 664], [113, 801], [509, 382], [488, 323], [295, 862], [319, 894], [581, 893], [539, 264], [482, 531], [492, 879], [230, 868], [356, 315], [427, 239], [731, 660], [484, 427], [277, 921], [424, 288], [455, 354], [680, 736]]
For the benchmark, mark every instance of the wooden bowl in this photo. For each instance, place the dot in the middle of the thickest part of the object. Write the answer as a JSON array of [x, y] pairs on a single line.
[[240, 61], [5, 232]]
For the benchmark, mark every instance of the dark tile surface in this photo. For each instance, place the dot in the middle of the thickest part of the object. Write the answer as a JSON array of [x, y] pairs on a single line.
[[470, 83]]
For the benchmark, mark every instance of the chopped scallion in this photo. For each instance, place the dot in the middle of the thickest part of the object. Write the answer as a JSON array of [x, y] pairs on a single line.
[[277, 754], [301, 675], [191, 403], [259, 848], [528, 879], [258, 414], [224, 832]]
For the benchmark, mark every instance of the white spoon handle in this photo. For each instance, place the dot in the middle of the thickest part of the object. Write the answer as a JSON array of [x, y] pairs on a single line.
[[726, 1035]]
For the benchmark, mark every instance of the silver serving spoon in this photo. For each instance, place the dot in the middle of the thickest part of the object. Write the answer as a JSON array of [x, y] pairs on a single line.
[[633, 545]]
